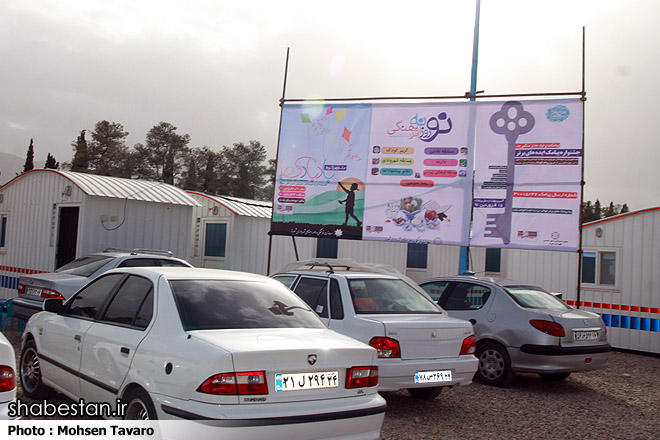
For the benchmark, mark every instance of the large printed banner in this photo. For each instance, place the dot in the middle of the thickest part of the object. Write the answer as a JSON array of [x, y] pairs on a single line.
[[374, 172], [403, 172], [527, 175]]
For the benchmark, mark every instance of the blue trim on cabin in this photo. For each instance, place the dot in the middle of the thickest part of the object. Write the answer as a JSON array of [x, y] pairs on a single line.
[[631, 322], [9, 282]]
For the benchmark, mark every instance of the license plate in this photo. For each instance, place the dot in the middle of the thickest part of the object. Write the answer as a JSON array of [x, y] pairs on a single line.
[[585, 336], [433, 376], [33, 291], [306, 381]]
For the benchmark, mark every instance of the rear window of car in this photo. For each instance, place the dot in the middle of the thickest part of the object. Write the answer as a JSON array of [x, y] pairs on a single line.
[[535, 298], [222, 304], [391, 296], [84, 266]]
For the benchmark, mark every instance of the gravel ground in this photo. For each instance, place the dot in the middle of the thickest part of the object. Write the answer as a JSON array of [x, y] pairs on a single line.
[[622, 401]]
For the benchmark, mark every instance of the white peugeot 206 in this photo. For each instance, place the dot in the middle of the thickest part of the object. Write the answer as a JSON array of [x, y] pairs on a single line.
[[229, 349]]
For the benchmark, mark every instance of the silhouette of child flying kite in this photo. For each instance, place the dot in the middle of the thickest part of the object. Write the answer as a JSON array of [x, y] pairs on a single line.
[[350, 202]]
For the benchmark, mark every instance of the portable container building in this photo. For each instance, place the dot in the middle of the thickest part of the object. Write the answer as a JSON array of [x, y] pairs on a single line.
[[49, 217]]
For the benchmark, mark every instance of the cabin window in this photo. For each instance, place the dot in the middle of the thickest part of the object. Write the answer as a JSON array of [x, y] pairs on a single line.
[[3, 230], [327, 248], [599, 268], [493, 260], [215, 241], [417, 255]]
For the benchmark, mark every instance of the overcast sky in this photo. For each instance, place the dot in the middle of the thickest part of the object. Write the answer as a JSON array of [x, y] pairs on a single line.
[[215, 69]]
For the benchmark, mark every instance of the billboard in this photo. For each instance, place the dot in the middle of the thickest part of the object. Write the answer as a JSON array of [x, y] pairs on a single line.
[[537, 204], [404, 172]]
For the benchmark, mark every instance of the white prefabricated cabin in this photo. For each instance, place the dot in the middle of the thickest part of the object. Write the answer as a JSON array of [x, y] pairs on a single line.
[[49, 217]]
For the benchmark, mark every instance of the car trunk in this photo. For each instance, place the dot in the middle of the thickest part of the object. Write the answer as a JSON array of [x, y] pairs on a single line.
[[63, 283], [581, 328], [425, 336], [300, 364]]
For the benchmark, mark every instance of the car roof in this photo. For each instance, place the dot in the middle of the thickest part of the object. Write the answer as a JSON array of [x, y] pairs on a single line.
[[117, 254], [493, 280], [188, 273], [345, 273]]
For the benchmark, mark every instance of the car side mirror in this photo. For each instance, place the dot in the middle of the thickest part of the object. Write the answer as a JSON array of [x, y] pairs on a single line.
[[53, 305]]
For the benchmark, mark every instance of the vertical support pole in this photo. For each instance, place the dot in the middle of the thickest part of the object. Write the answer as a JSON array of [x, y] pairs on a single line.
[[582, 182], [277, 158], [295, 248], [270, 248], [464, 256]]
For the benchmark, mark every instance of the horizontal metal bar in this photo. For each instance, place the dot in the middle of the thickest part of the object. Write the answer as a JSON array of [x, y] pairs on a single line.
[[427, 98]]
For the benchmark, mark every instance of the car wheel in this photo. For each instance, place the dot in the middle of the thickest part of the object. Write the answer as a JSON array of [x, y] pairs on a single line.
[[139, 406], [429, 393], [494, 364], [554, 377], [30, 372]]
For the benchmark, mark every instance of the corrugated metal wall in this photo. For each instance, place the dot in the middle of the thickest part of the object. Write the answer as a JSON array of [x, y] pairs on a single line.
[[32, 225], [138, 224], [31, 203], [632, 307]]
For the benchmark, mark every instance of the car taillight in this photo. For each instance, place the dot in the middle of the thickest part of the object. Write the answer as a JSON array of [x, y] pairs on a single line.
[[469, 345], [50, 293], [21, 288], [7, 378], [250, 382], [359, 377], [387, 347], [549, 327]]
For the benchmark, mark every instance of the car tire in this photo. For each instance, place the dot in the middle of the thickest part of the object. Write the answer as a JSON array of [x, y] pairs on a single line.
[[30, 372], [554, 377], [429, 393], [139, 406], [494, 364]]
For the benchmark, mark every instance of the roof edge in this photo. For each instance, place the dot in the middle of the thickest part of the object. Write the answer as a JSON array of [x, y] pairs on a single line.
[[616, 217]]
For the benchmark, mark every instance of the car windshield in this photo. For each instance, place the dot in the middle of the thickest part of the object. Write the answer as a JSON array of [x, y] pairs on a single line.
[[221, 304], [383, 295], [533, 297], [84, 266]]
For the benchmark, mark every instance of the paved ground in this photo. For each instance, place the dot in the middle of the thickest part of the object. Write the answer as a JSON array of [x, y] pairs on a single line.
[[622, 401]]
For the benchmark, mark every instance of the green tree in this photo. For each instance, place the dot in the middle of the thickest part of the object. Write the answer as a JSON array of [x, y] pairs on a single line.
[[191, 178], [162, 156], [592, 212], [51, 163], [245, 168], [265, 192], [598, 214], [107, 152], [29, 159], [80, 160]]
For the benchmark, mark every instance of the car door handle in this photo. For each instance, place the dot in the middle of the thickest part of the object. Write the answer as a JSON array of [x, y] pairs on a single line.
[[125, 350], [77, 338], [473, 321]]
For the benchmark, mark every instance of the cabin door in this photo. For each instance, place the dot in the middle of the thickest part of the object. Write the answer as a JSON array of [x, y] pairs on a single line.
[[67, 235]]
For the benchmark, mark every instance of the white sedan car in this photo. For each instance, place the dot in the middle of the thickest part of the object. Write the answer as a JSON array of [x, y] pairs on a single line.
[[232, 349], [420, 348], [7, 377]]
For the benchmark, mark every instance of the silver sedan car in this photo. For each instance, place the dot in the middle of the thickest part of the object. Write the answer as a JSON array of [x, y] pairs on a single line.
[[522, 328]]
